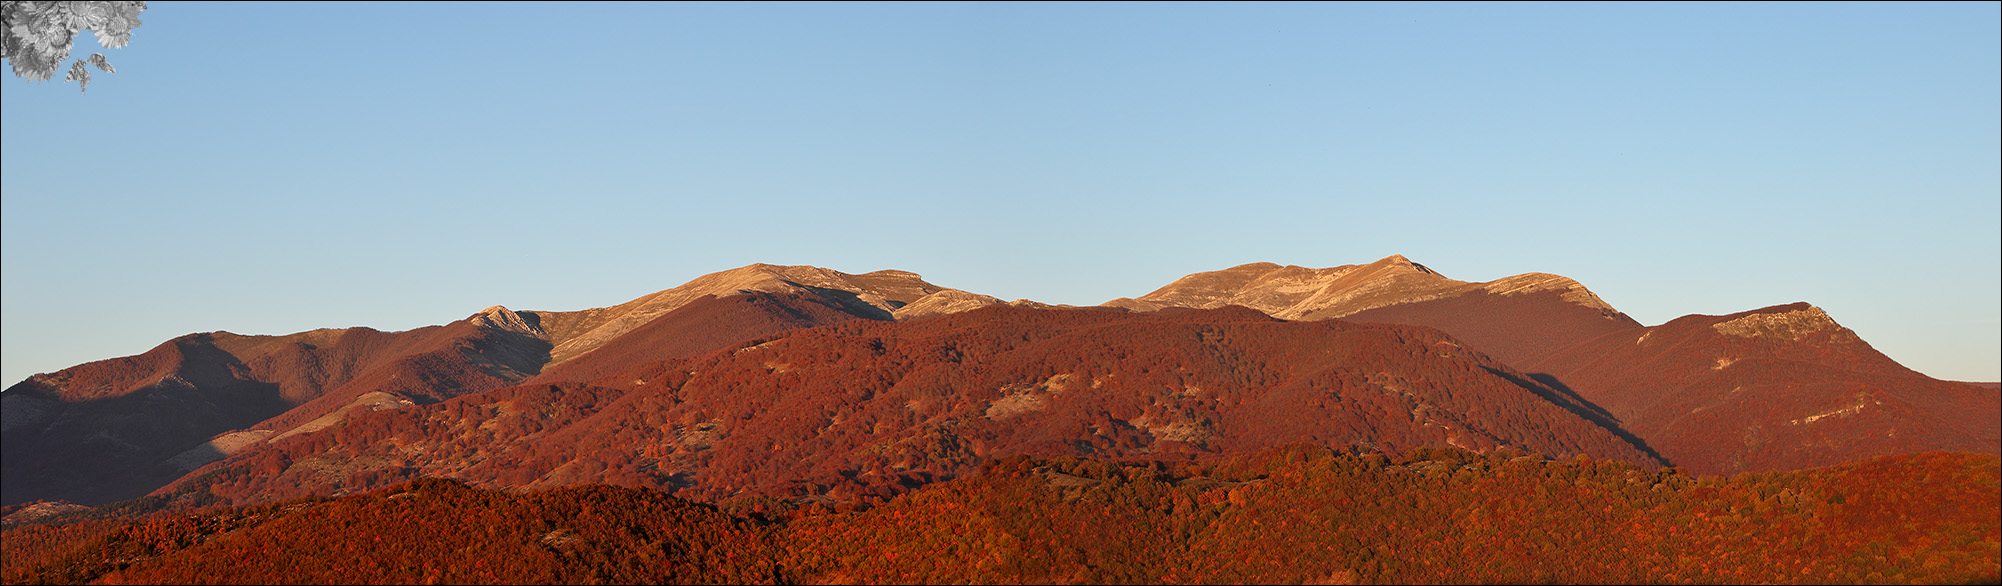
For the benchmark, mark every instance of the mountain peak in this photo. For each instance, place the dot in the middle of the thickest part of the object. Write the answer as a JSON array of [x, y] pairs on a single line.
[[1567, 288], [1398, 260], [893, 273], [502, 318], [1394, 289], [1295, 292]]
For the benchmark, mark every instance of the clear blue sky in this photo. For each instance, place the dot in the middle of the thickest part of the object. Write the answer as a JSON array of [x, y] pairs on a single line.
[[273, 168]]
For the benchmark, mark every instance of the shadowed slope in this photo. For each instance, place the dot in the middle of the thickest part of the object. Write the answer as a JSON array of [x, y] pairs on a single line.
[[115, 429], [103, 431], [489, 350]]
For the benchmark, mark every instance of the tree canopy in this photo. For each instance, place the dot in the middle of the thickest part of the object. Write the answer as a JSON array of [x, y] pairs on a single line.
[[37, 36]]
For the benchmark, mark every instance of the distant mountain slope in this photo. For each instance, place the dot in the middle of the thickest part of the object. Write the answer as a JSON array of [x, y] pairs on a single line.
[[701, 326], [488, 350], [104, 430], [1779, 388], [1518, 328], [871, 409], [1516, 319], [115, 429]]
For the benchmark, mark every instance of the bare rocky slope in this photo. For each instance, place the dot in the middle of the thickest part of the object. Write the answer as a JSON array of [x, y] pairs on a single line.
[[1300, 293], [1516, 319], [875, 295]]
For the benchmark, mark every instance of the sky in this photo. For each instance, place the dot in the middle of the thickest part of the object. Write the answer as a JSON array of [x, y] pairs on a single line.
[[273, 168]]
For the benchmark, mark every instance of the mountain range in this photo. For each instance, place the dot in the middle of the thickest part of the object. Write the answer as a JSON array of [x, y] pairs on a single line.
[[812, 385]]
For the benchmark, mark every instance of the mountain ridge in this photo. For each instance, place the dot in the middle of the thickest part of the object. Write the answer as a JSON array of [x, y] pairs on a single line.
[[261, 389]]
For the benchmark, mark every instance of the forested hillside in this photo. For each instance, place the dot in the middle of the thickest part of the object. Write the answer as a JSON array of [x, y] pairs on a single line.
[[1290, 515]]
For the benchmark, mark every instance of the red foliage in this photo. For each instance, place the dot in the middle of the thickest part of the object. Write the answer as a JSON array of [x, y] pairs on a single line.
[[1518, 329], [1287, 515]]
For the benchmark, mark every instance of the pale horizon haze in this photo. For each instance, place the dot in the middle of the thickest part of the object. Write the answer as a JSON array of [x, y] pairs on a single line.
[[270, 168]]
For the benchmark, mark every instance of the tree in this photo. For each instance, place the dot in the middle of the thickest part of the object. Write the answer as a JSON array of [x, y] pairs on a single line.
[[36, 36]]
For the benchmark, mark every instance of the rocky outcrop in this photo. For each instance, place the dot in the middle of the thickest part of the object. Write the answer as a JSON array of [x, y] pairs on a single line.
[[943, 302], [503, 319], [1787, 325]]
